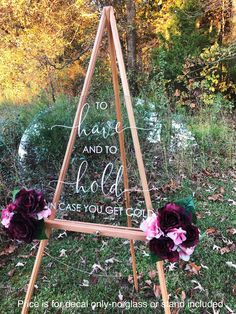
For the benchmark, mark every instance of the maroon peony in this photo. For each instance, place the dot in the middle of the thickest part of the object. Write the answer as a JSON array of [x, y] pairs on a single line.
[[192, 236], [29, 202], [162, 247], [22, 228], [173, 216]]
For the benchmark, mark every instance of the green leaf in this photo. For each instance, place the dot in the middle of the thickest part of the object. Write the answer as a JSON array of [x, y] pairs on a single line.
[[154, 258], [188, 204], [14, 192], [40, 230], [203, 235]]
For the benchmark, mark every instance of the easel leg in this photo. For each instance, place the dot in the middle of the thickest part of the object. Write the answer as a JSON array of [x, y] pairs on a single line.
[[34, 275], [164, 293], [137, 148], [121, 139], [67, 157]]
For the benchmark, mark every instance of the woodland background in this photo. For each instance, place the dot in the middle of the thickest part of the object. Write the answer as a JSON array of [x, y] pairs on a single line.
[[180, 56]]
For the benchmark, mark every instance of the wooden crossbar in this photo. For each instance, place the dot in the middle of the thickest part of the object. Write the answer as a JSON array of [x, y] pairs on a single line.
[[97, 229]]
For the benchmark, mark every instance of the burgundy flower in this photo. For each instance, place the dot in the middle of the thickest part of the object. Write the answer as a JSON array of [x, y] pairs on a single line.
[[173, 216], [192, 236], [22, 228], [162, 247], [29, 202]]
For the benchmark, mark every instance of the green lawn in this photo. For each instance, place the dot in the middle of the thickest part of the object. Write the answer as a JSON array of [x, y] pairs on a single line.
[[69, 271]]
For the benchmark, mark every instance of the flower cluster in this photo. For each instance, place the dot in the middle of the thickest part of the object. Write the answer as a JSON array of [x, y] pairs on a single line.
[[170, 232], [22, 219]]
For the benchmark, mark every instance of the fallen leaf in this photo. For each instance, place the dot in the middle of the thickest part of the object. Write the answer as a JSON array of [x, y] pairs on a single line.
[[211, 230], [93, 280], [192, 267], [192, 105], [140, 275], [206, 172], [198, 286], [111, 260], [157, 291], [171, 267], [231, 231], [8, 250], [11, 272], [148, 282], [231, 202], [177, 93], [49, 265], [183, 295], [152, 274], [130, 279], [229, 309], [199, 215], [230, 264], [181, 264], [222, 190], [204, 266], [120, 296], [25, 288], [224, 250], [19, 264], [2, 264], [175, 310], [234, 290], [26, 256], [171, 186], [95, 268], [62, 235], [85, 283], [216, 197], [62, 253]]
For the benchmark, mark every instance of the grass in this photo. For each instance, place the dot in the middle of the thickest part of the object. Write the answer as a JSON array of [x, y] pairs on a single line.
[[69, 278]]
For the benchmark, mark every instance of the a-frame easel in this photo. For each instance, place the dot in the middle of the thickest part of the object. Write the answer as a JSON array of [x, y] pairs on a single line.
[[107, 20]]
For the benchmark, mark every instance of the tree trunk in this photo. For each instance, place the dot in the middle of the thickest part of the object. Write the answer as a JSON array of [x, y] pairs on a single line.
[[131, 43]]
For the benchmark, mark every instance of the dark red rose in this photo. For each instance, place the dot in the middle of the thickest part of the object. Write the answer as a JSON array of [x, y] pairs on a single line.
[[162, 247], [192, 235], [22, 228], [173, 216], [29, 202]]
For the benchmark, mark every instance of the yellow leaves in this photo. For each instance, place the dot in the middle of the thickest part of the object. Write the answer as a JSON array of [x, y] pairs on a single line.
[[214, 71], [75, 69], [18, 82], [39, 38]]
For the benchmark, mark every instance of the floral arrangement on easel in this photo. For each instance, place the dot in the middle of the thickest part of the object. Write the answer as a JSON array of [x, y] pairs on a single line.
[[171, 232], [23, 217]]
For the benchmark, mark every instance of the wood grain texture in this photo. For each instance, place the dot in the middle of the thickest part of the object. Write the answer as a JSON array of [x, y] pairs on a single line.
[[116, 88], [137, 148], [97, 229]]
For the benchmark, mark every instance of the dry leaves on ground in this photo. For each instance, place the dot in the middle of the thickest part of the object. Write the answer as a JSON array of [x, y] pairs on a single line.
[[8, 250]]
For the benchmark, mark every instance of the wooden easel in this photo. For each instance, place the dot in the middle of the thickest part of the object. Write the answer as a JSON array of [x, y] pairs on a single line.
[[107, 20]]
